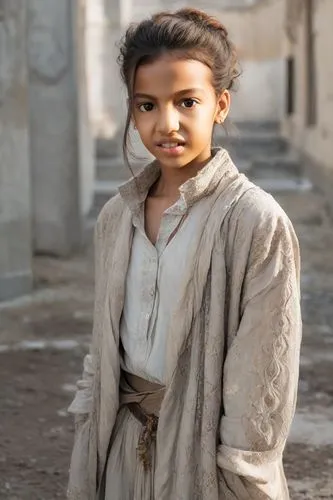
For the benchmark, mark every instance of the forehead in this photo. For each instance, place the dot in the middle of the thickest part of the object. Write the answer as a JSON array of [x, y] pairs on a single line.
[[168, 75]]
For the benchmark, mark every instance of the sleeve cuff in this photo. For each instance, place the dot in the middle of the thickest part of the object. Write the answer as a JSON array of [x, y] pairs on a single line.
[[256, 466]]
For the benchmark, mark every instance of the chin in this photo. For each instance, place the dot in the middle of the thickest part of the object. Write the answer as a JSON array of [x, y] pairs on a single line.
[[175, 163]]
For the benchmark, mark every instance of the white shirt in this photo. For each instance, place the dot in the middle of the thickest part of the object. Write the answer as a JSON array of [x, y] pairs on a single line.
[[153, 279]]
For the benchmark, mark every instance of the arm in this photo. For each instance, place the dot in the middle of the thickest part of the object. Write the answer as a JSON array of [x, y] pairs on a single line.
[[82, 403], [261, 367]]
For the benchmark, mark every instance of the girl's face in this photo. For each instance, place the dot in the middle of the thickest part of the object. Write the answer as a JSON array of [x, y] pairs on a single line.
[[175, 108]]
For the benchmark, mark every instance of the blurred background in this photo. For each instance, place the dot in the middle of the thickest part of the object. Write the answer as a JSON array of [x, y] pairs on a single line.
[[62, 111]]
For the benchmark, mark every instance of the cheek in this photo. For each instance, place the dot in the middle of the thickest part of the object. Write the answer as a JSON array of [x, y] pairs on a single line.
[[203, 118], [143, 122], [145, 130]]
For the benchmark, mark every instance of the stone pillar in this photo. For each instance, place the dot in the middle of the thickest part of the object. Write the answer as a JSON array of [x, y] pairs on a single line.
[[106, 21], [86, 143], [61, 147], [15, 235], [102, 119]]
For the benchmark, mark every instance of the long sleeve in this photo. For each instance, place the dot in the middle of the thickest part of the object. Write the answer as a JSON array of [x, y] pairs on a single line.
[[82, 405], [262, 364]]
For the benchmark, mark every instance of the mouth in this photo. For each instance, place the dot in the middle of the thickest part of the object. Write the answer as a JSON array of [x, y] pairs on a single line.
[[172, 147], [170, 144]]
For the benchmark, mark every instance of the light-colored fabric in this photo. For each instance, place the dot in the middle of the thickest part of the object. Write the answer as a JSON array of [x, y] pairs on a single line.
[[154, 277], [232, 354], [125, 477]]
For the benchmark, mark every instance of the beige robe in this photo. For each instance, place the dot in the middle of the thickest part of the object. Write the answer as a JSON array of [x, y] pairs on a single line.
[[232, 355]]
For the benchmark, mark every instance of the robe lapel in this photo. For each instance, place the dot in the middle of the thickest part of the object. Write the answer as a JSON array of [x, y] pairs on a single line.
[[119, 247], [231, 188]]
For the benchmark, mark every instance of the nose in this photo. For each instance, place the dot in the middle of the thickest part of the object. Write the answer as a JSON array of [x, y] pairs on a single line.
[[168, 121]]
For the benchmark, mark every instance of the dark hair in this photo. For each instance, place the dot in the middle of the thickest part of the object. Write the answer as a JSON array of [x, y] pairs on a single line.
[[190, 34]]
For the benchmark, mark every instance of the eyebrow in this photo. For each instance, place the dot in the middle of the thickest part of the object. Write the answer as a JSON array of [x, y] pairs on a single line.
[[178, 94]]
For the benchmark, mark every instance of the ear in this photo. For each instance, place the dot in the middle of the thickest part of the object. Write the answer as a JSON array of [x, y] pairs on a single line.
[[222, 106]]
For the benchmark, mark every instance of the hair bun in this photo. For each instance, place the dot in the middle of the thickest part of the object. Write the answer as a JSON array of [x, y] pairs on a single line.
[[200, 17]]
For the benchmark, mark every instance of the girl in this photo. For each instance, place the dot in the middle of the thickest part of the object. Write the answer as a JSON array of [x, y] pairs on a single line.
[[190, 386]]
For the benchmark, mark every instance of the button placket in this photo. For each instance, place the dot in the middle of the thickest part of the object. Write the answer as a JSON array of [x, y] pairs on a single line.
[[149, 286]]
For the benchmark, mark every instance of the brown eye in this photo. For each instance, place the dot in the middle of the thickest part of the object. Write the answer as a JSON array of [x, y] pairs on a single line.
[[146, 106], [189, 103]]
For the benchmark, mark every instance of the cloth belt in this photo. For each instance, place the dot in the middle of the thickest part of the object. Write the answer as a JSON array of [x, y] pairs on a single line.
[[143, 399]]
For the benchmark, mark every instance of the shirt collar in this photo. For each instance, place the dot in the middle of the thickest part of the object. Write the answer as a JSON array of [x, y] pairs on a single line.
[[135, 191]]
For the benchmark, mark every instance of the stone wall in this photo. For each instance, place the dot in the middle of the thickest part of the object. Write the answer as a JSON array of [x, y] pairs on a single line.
[[258, 34], [61, 148], [105, 21], [314, 141], [15, 211]]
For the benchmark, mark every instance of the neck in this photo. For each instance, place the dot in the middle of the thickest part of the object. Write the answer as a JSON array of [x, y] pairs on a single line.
[[172, 178]]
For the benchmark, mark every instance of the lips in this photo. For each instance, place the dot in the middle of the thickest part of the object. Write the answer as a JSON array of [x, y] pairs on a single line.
[[171, 149]]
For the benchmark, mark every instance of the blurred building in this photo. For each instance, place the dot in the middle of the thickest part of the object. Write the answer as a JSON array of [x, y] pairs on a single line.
[[257, 29], [59, 80], [46, 154], [15, 183], [308, 121]]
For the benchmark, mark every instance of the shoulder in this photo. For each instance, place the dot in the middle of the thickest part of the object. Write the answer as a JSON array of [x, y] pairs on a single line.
[[257, 209], [259, 227], [110, 213], [260, 238]]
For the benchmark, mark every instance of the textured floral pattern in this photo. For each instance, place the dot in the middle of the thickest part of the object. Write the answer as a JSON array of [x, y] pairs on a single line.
[[233, 353]]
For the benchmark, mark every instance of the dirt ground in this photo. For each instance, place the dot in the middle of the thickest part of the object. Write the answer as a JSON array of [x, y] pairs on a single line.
[[44, 336]]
